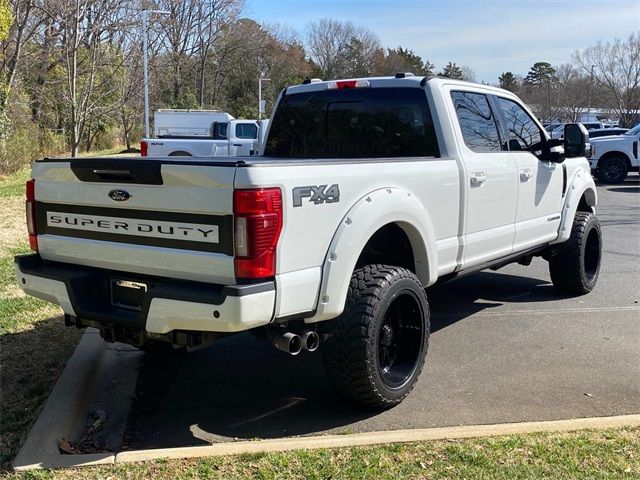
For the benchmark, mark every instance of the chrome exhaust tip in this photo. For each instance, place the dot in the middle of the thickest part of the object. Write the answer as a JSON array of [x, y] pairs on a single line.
[[310, 340], [288, 342]]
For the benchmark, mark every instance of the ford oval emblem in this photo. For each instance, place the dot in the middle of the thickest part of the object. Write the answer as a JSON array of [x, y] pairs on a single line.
[[120, 195]]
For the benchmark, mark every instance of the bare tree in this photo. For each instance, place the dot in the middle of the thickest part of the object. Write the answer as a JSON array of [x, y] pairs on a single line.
[[341, 49], [616, 69], [572, 92], [91, 42]]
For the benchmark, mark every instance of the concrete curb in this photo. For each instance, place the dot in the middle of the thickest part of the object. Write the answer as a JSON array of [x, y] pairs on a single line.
[[65, 411], [374, 438]]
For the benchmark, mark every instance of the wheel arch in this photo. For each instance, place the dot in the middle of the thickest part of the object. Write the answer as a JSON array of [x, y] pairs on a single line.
[[180, 153], [387, 208], [581, 196]]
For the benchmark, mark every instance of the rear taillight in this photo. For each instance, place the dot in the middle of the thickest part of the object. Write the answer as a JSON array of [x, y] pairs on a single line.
[[258, 223], [144, 148], [32, 227]]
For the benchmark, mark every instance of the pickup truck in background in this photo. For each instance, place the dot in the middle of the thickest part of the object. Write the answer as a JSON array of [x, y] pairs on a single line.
[[225, 138], [612, 158], [367, 191]]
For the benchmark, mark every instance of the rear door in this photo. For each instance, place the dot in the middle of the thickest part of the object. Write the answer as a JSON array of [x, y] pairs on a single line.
[[491, 184], [539, 182], [168, 218]]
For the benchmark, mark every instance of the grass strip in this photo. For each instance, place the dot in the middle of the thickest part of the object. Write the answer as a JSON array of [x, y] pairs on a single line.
[[587, 454]]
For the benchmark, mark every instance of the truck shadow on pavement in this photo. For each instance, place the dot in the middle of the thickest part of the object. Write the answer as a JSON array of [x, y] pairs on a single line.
[[243, 388]]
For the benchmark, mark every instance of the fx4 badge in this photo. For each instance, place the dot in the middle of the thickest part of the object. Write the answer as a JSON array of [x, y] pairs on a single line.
[[316, 194]]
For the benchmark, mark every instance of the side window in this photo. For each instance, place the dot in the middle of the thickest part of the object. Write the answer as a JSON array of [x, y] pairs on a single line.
[[477, 122], [524, 134], [220, 131], [246, 130]]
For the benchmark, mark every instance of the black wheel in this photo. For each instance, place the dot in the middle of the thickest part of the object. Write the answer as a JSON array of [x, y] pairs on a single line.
[[612, 170], [376, 349], [575, 264]]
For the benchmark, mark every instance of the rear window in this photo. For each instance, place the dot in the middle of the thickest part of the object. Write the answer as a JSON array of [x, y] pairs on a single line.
[[352, 123]]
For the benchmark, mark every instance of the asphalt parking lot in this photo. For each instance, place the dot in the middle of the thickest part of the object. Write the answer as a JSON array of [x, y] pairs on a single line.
[[505, 347]]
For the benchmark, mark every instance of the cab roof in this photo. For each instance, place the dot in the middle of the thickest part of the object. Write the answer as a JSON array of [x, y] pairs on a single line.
[[408, 81]]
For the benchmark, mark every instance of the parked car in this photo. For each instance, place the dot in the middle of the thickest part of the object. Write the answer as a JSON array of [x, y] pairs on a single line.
[[558, 132], [612, 158], [368, 191], [607, 132]]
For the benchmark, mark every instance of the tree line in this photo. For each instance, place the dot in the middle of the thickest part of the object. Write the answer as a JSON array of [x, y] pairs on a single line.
[[71, 75], [605, 76]]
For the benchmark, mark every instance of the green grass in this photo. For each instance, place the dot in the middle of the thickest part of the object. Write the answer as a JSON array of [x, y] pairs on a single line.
[[610, 454], [17, 311], [13, 185], [34, 346]]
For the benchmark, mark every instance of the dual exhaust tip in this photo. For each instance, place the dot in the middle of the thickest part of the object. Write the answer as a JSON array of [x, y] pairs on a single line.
[[293, 344]]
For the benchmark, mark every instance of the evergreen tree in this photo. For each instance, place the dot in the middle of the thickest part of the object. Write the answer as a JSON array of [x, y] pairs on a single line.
[[508, 81], [540, 73], [451, 70]]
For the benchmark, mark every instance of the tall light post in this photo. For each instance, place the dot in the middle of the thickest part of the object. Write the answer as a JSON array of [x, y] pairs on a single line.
[[590, 90], [145, 60], [260, 104]]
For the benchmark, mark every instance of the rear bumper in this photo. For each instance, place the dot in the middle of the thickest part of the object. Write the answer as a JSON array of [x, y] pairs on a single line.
[[167, 305]]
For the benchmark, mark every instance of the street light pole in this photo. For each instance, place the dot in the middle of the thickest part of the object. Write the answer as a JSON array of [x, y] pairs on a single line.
[[260, 106], [145, 60], [591, 90]]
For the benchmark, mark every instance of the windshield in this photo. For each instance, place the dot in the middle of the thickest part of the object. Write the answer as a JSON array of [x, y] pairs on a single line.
[[634, 131], [352, 123]]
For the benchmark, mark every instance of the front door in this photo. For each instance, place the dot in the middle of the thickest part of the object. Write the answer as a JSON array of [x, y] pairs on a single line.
[[539, 181]]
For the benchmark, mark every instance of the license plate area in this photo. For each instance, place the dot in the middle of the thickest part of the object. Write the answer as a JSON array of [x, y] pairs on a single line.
[[128, 294]]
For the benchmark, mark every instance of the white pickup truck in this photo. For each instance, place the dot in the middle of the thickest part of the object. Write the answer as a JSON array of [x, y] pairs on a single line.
[[367, 192], [223, 139], [612, 158]]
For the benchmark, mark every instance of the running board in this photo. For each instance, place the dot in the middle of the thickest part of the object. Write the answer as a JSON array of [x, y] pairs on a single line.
[[495, 264]]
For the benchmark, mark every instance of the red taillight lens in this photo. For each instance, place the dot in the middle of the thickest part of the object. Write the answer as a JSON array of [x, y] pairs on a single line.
[[32, 227], [144, 148], [258, 223]]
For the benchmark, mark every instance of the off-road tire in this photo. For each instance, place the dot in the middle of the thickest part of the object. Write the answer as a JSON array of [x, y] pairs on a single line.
[[575, 264], [351, 350], [612, 170]]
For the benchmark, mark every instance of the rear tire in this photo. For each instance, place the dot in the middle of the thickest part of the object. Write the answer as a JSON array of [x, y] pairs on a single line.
[[612, 170], [376, 349], [575, 264]]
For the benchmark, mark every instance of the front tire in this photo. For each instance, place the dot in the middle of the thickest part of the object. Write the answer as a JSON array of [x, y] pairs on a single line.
[[612, 170], [376, 349], [575, 264]]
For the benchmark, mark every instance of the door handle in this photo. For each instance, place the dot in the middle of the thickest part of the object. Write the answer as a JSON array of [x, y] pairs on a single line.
[[477, 179], [525, 175]]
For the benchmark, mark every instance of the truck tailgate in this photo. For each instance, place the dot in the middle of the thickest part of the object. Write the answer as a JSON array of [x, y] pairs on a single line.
[[161, 217]]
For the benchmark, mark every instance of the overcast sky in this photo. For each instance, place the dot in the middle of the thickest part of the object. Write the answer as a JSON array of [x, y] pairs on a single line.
[[490, 36]]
